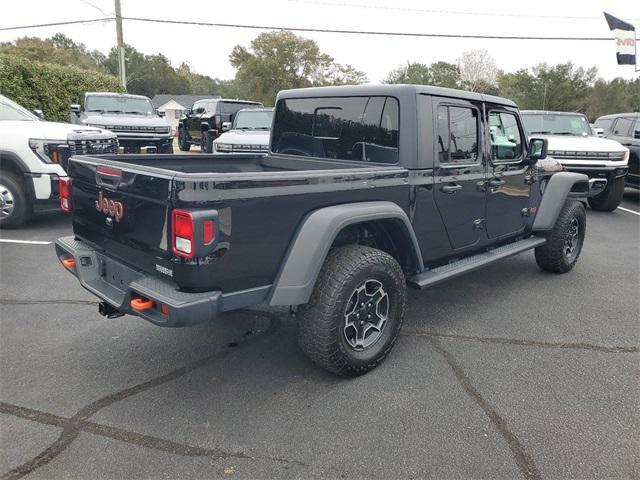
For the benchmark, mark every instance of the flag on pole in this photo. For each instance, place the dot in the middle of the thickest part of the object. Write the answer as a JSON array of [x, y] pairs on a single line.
[[625, 36]]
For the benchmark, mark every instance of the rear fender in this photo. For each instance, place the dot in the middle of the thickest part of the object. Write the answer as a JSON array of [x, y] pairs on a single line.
[[315, 236]]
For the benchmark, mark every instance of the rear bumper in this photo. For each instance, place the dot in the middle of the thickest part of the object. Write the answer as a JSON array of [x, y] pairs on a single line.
[[118, 284]]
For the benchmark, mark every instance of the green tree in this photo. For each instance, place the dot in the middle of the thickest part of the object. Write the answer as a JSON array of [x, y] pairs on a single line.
[[280, 60], [59, 49], [562, 87], [615, 96], [439, 74], [147, 74]]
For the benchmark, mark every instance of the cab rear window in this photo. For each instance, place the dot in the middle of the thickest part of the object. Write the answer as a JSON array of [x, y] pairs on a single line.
[[341, 128]]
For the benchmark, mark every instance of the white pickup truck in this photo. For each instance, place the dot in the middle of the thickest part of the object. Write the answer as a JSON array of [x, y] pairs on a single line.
[[249, 133], [574, 145], [33, 156]]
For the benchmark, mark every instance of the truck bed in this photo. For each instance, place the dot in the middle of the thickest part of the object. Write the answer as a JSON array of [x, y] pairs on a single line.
[[227, 163], [260, 202]]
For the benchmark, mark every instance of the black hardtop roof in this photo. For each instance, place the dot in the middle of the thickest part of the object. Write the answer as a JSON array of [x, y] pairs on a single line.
[[391, 90]]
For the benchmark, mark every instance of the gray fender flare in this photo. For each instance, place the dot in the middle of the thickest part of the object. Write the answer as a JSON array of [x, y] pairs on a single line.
[[310, 245], [554, 197]]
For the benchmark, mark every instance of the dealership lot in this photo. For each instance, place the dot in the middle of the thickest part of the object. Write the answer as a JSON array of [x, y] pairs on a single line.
[[508, 372]]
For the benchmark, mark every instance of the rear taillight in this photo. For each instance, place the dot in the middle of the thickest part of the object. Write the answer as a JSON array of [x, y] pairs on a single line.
[[183, 229], [64, 189]]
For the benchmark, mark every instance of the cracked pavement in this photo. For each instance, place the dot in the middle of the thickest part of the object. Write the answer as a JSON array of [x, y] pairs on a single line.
[[508, 372]]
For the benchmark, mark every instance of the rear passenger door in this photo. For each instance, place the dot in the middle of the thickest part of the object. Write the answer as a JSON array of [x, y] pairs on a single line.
[[460, 171], [509, 182]]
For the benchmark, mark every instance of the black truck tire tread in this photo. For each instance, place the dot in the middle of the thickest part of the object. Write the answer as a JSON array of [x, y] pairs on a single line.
[[550, 256], [206, 143], [609, 200], [317, 327], [23, 209], [183, 141]]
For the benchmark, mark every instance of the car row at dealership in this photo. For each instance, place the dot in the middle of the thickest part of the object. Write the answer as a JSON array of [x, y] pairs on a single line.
[[34, 152]]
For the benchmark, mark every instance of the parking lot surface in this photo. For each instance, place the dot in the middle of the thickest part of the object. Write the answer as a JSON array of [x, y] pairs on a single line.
[[508, 372]]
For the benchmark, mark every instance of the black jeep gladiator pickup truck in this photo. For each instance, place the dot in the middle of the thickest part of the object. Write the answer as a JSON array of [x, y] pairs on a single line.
[[365, 190]]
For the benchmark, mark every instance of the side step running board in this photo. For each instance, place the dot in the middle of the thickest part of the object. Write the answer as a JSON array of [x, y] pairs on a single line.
[[466, 265]]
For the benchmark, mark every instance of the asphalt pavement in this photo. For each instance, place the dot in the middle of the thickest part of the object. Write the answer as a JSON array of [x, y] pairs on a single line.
[[506, 373]]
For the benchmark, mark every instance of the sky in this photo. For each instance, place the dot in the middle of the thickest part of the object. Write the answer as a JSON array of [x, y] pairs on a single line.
[[207, 49]]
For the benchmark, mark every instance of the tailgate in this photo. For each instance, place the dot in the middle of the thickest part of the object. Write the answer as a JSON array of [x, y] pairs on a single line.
[[122, 209]]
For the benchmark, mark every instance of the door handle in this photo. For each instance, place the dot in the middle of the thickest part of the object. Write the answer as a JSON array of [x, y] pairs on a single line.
[[496, 183], [450, 188]]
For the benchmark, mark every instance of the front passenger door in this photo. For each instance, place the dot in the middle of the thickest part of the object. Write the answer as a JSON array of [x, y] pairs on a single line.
[[509, 182]]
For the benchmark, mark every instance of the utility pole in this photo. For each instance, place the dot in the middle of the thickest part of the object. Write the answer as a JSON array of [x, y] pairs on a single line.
[[121, 72]]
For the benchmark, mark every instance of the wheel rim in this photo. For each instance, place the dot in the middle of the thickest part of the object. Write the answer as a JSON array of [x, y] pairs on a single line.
[[7, 202], [572, 238], [366, 315]]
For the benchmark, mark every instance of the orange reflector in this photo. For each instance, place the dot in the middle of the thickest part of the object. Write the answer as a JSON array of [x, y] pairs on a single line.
[[164, 309], [69, 263], [141, 304]]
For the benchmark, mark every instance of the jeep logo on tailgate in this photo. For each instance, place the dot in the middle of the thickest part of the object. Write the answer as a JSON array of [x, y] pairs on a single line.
[[113, 208]]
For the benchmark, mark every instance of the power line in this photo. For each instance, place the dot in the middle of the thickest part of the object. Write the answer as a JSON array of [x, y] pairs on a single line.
[[448, 12], [55, 24], [363, 32]]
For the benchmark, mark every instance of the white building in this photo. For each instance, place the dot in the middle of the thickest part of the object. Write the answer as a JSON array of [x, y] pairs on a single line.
[[174, 106]]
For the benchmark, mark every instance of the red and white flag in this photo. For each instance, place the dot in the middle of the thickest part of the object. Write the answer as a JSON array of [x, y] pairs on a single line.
[[625, 36]]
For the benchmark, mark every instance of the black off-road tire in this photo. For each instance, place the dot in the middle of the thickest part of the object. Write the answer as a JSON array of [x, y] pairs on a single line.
[[206, 144], [609, 200], [183, 140], [16, 207], [553, 256], [321, 329]]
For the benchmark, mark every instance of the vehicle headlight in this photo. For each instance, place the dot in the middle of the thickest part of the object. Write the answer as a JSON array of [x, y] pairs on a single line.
[[224, 147], [162, 129], [626, 156], [95, 125], [48, 151]]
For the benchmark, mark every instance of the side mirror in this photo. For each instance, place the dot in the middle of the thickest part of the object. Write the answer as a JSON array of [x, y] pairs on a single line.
[[75, 108], [161, 114], [537, 150], [636, 134], [38, 113], [226, 126]]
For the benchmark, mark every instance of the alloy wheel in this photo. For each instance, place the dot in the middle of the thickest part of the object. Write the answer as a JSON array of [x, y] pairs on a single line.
[[366, 315]]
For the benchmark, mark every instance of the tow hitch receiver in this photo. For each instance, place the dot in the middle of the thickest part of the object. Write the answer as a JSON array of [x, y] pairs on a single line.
[[106, 310]]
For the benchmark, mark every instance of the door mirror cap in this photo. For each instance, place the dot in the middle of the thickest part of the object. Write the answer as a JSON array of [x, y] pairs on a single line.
[[537, 150], [75, 107], [38, 113], [161, 114], [226, 126]]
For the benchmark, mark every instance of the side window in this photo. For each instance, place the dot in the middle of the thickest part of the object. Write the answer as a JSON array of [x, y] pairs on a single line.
[[622, 127], [457, 134], [636, 129], [341, 128], [196, 107], [505, 135]]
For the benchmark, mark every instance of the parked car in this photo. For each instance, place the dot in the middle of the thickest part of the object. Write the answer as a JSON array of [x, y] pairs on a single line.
[[625, 128], [139, 127], [249, 132], [203, 122], [365, 189], [596, 131], [33, 154], [573, 144]]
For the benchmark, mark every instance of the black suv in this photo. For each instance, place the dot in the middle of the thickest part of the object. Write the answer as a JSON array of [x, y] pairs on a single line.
[[625, 128], [206, 120]]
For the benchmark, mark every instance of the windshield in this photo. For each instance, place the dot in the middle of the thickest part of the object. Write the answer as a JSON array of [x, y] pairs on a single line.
[[103, 103], [555, 124], [10, 110], [253, 120]]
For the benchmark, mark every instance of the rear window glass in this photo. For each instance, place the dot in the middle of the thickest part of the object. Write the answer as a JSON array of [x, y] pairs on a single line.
[[230, 108], [341, 128]]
